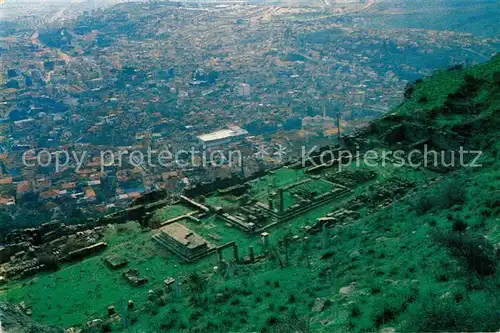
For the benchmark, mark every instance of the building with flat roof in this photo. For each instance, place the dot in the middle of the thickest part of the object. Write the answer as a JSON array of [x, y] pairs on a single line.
[[183, 241], [217, 138], [243, 89]]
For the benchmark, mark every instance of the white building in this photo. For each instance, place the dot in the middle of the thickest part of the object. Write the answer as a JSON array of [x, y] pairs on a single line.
[[243, 89], [231, 134]]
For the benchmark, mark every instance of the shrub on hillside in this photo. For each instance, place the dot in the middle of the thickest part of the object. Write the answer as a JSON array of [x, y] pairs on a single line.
[[496, 78], [435, 313], [459, 226], [293, 322], [475, 250], [450, 193], [424, 203], [453, 192], [423, 100], [409, 90]]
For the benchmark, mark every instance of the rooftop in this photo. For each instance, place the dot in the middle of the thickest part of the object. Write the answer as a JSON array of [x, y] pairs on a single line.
[[183, 235], [223, 134]]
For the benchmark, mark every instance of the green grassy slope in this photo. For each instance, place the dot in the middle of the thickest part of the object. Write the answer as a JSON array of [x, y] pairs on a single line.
[[458, 97], [426, 262]]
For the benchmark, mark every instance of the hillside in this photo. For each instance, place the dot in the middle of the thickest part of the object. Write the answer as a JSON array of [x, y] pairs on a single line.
[[13, 320], [467, 16], [426, 262], [410, 249]]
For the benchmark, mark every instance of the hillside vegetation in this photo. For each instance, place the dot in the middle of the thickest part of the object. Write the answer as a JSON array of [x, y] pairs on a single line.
[[427, 261], [14, 320]]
